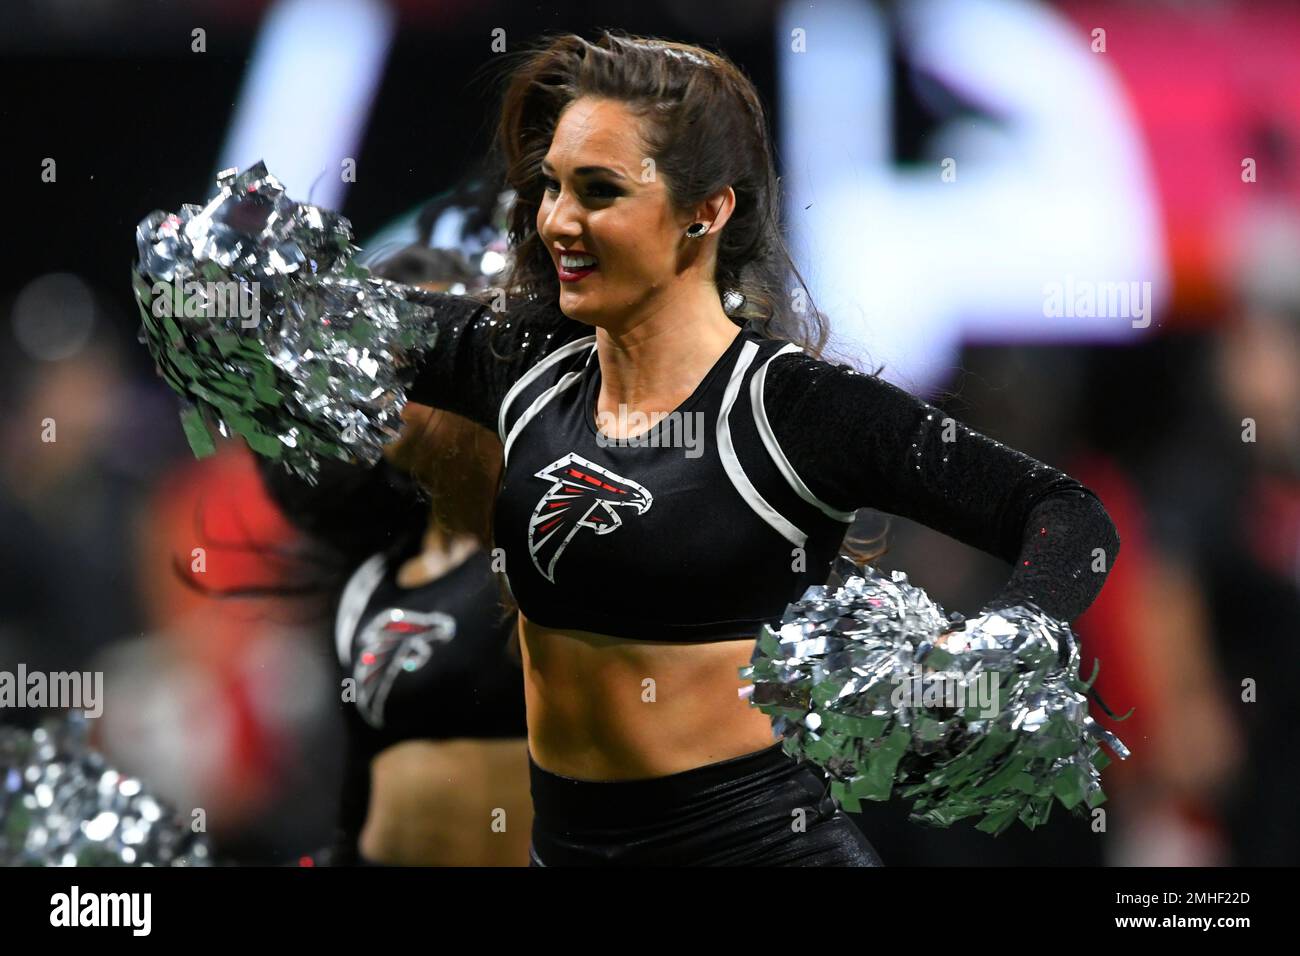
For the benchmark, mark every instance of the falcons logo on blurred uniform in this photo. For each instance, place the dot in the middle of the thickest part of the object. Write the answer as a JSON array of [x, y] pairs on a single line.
[[582, 495], [394, 642]]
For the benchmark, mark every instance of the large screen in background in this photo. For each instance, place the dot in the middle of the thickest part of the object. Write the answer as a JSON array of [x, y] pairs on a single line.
[[937, 196]]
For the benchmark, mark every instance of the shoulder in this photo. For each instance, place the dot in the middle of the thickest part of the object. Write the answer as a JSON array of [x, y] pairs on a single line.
[[792, 428], [797, 384], [550, 349], [813, 404], [481, 319], [536, 335], [478, 354], [353, 601]]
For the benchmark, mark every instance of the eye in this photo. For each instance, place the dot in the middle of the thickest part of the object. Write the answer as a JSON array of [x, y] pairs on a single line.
[[603, 190], [550, 185]]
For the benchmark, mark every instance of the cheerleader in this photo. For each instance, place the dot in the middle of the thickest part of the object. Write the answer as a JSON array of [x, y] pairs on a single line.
[[436, 767], [648, 293]]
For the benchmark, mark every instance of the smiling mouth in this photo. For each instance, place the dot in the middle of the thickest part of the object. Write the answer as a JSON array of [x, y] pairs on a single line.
[[573, 267]]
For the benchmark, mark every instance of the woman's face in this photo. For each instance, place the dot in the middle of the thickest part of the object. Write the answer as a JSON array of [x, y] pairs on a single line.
[[603, 204]]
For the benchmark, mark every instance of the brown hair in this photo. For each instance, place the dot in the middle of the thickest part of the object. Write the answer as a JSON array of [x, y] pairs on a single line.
[[706, 130]]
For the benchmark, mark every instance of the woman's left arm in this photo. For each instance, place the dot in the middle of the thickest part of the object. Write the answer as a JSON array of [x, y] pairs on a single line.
[[859, 441]]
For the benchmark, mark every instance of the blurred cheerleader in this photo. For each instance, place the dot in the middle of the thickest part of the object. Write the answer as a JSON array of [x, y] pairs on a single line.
[[436, 769]]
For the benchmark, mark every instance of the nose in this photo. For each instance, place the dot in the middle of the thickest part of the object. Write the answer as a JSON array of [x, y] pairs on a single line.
[[561, 218]]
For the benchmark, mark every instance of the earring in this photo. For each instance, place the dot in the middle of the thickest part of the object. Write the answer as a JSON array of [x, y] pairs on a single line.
[[697, 229]]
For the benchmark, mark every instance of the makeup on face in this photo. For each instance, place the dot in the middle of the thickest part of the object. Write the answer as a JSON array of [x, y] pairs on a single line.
[[573, 263], [574, 267]]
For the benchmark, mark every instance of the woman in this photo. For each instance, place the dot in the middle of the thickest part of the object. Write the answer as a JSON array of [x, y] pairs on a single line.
[[646, 199], [649, 282], [436, 768]]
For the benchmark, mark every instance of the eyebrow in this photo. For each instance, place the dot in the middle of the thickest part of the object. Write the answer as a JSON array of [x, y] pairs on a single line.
[[586, 170]]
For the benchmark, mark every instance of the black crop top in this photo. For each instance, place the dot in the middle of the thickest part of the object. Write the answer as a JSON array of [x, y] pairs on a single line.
[[428, 663], [727, 510]]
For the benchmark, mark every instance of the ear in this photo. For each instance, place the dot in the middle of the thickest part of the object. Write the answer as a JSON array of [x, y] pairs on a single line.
[[716, 210]]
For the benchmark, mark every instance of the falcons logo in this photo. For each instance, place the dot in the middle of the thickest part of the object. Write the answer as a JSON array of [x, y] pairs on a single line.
[[582, 495], [394, 642]]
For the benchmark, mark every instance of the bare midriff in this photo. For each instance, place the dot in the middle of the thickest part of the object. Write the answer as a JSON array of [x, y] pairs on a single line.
[[449, 803], [608, 708]]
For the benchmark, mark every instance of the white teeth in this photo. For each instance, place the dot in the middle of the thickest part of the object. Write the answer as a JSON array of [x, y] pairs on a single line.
[[576, 262]]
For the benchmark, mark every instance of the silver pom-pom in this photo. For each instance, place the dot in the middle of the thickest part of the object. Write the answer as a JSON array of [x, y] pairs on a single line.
[[62, 805], [256, 313], [983, 717]]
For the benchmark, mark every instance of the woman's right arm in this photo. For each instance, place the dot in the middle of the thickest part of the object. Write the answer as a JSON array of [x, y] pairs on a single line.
[[479, 354], [476, 357]]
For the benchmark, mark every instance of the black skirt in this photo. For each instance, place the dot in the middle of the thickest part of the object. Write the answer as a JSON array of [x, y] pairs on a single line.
[[760, 809]]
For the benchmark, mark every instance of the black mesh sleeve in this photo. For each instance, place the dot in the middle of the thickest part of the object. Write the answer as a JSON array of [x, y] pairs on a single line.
[[478, 354], [859, 441]]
